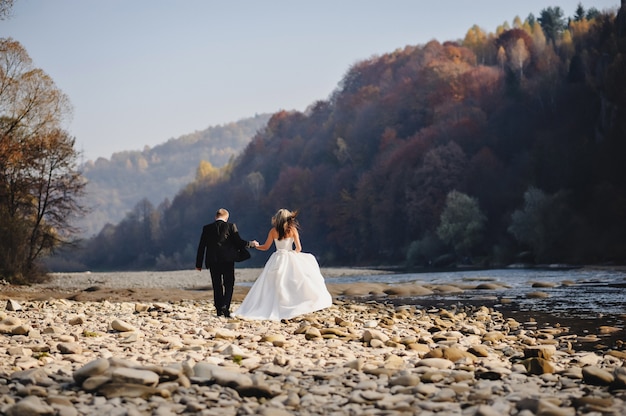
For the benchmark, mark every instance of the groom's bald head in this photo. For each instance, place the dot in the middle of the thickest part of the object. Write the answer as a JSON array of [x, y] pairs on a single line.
[[222, 214]]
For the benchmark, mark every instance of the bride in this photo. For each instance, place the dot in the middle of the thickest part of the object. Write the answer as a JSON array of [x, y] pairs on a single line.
[[291, 283]]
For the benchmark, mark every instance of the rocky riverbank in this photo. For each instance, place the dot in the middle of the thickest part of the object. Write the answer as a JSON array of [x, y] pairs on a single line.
[[67, 357], [151, 344]]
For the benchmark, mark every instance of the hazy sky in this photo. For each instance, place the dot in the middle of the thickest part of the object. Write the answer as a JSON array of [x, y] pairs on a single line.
[[139, 72]]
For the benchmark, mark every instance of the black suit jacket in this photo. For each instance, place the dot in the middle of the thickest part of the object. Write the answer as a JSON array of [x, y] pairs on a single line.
[[218, 241]]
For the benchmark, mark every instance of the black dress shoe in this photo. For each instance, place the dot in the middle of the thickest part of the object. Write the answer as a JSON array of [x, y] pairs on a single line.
[[220, 312], [226, 312]]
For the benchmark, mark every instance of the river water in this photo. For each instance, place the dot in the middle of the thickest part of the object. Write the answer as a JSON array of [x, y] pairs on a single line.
[[583, 293]]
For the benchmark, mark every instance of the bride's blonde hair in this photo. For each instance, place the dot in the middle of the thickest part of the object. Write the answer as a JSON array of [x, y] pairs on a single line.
[[284, 221]]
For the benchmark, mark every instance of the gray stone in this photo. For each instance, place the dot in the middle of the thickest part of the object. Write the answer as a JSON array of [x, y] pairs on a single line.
[[596, 375], [90, 369], [13, 305], [30, 406], [228, 378], [439, 363], [122, 326], [134, 376], [33, 376], [69, 348]]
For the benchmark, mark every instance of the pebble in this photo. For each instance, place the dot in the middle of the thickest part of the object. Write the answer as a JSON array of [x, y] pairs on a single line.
[[64, 357]]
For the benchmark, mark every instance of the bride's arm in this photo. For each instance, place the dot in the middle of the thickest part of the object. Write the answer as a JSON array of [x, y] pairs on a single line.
[[296, 240], [270, 239]]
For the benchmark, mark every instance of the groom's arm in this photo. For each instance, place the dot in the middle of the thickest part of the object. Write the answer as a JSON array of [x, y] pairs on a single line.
[[240, 242], [201, 249]]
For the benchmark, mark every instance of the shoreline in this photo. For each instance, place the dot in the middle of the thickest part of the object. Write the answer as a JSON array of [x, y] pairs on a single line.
[[184, 285]]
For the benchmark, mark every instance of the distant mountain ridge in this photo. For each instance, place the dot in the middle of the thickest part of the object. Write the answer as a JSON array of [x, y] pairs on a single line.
[[158, 173]]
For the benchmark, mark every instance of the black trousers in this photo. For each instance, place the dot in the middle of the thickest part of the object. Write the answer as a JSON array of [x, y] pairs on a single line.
[[223, 279]]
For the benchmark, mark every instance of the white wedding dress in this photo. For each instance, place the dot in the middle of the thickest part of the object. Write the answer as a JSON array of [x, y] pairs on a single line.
[[290, 284]]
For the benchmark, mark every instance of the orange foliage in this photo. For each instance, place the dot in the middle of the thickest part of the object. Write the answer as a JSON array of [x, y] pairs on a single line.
[[371, 167], [483, 85], [579, 28]]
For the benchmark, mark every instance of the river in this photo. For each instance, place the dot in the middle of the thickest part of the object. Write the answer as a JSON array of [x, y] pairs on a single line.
[[583, 293]]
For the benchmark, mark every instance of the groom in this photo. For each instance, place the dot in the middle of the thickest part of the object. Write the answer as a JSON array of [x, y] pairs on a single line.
[[219, 242]]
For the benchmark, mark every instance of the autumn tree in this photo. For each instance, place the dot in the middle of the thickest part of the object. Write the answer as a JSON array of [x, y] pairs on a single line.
[[207, 172], [519, 57], [476, 39], [40, 186], [501, 57], [256, 183], [539, 39], [516, 45], [567, 45]]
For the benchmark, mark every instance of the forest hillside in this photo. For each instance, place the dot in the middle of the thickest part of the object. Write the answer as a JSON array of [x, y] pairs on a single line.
[[503, 147], [156, 174]]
